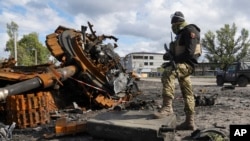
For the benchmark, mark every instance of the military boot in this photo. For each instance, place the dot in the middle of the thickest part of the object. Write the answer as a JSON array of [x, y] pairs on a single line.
[[188, 124], [166, 108]]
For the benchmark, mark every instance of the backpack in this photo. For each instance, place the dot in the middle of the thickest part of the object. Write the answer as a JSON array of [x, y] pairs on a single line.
[[198, 48]]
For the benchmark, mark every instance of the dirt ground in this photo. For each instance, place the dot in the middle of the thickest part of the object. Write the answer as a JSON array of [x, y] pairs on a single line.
[[232, 106]]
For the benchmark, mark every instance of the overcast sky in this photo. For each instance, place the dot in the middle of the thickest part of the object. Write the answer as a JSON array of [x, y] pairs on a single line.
[[140, 25]]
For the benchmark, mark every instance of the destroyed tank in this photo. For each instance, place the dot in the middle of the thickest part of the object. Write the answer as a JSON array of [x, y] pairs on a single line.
[[89, 73]]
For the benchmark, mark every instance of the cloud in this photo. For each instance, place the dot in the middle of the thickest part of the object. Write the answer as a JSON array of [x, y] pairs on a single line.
[[4, 38], [96, 8], [140, 25]]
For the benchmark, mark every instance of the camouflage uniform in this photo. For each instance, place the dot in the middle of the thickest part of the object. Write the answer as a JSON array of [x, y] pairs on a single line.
[[168, 80], [184, 51]]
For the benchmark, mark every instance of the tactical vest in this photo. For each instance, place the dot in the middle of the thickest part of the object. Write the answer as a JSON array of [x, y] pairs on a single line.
[[177, 49]]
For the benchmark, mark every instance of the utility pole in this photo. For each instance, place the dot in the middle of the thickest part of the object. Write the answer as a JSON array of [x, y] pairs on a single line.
[[15, 46], [35, 55]]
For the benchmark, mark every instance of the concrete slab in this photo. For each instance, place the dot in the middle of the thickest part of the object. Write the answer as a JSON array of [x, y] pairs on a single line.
[[132, 126]]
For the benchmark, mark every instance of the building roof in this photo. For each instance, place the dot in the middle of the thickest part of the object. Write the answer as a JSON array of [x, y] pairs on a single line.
[[153, 53]]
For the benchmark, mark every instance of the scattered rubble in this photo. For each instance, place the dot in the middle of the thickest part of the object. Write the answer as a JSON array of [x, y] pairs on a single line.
[[6, 131], [67, 102], [89, 77]]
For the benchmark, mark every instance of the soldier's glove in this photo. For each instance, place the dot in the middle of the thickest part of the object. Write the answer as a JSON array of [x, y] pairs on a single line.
[[166, 64], [166, 56]]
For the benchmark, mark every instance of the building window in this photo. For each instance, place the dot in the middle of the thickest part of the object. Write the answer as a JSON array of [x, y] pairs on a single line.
[[137, 57], [146, 57], [151, 57], [151, 63], [145, 63]]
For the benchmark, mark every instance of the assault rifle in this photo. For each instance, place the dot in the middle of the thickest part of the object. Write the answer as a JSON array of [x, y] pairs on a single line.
[[171, 58], [171, 61]]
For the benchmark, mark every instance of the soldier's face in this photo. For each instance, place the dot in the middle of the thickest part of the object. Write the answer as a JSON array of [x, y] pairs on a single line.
[[176, 27]]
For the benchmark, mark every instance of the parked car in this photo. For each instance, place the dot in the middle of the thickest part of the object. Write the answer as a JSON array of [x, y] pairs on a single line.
[[236, 73]]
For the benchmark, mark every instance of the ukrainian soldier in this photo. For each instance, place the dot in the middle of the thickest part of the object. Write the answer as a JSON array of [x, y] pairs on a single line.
[[185, 50]]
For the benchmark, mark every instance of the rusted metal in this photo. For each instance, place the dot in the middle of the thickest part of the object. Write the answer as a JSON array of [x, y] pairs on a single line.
[[45, 79], [89, 71], [66, 127], [8, 63], [31, 109]]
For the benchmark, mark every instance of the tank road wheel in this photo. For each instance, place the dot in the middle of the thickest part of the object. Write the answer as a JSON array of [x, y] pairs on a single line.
[[219, 81], [242, 81]]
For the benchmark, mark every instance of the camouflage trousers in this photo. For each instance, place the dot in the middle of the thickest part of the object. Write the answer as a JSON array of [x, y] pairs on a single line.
[[169, 76]]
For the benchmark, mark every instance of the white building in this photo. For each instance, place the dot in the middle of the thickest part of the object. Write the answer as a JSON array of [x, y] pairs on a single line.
[[143, 62]]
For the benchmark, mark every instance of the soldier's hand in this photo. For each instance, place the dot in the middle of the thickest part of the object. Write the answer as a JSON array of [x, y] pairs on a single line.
[[166, 56]]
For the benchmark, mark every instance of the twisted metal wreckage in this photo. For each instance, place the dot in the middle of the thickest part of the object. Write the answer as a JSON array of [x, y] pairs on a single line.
[[90, 74]]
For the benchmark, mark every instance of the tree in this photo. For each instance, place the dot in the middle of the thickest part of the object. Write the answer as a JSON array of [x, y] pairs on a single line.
[[30, 50], [11, 46], [224, 48]]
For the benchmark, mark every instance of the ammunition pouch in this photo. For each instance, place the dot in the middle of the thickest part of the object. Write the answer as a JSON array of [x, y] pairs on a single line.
[[177, 49], [198, 50]]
